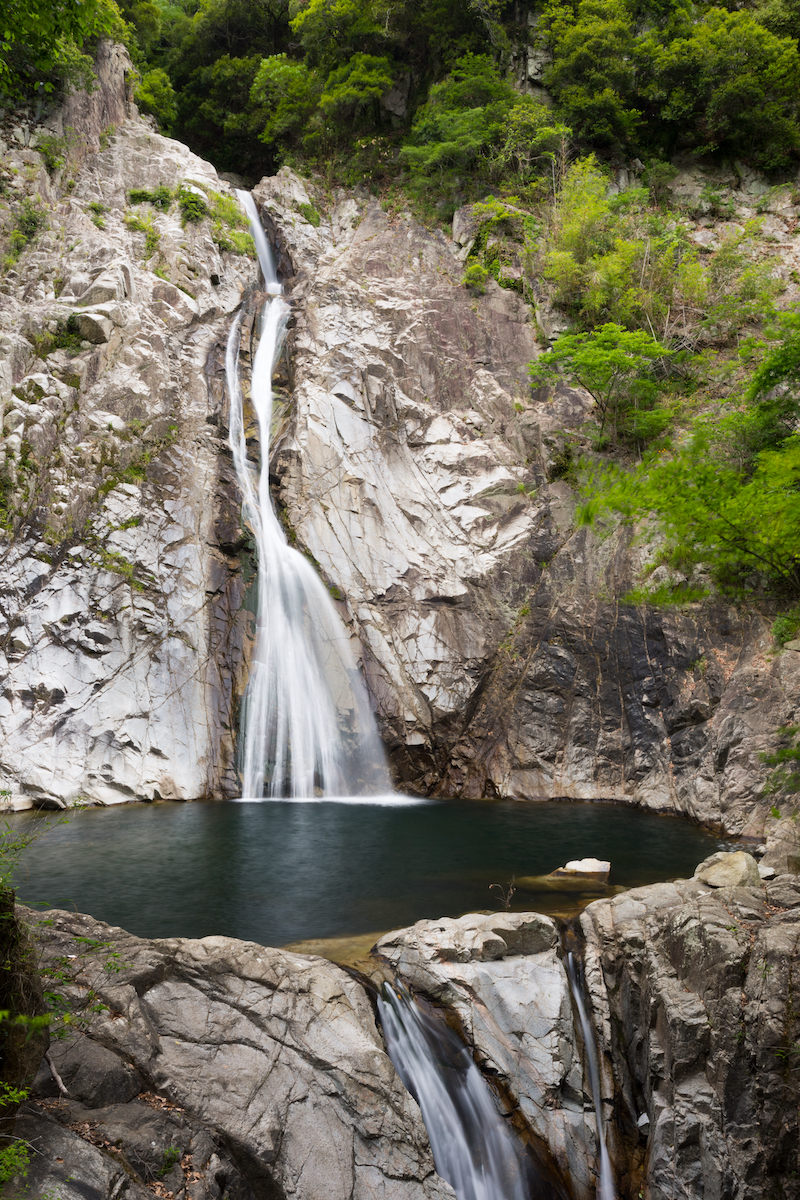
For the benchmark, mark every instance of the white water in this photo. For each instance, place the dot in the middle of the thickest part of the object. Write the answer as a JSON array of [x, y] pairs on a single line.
[[605, 1186], [307, 730], [473, 1148]]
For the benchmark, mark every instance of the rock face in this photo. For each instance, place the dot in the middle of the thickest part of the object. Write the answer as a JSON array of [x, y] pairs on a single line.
[[424, 478], [503, 978], [121, 619], [216, 1068], [692, 992]]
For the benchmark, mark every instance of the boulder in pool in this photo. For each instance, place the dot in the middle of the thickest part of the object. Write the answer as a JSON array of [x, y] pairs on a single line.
[[580, 875]]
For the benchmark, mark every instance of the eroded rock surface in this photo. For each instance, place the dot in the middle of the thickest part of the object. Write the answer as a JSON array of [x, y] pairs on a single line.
[[216, 1068], [121, 620], [693, 995]]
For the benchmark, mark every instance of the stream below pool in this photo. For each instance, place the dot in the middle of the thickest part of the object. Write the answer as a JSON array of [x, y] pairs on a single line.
[[280, 872]]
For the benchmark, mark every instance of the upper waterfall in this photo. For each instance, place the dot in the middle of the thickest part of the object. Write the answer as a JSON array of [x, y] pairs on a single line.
[[307, 729]]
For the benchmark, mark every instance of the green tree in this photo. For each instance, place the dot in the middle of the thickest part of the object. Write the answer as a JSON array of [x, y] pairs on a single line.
[[727, 85], [532, 137], [355, 86], [462, 118], [737, 523], [155, 95], [331, 31], [288, 92], [41, 42], [592, 75], [617, 369]]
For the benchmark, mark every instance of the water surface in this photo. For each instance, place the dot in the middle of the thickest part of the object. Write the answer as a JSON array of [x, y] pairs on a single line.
[[279, 872]]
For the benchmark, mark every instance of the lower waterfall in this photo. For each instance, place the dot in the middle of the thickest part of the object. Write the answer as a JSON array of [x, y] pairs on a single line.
[[605, 1187], [307, 729], [473, 1148]]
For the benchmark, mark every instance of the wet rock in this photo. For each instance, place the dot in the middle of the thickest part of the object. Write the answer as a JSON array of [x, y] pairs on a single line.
[[501, 975], [143, 633]]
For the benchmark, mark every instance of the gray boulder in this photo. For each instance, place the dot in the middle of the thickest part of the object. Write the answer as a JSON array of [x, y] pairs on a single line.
[[252, 1071], [729, 870]]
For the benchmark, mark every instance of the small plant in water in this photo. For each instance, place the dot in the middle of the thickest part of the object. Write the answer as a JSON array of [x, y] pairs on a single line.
[[507, 892]]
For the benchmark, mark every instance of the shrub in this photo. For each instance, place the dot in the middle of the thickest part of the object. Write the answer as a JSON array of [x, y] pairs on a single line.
[[475, 278], [160, 197], [310, 213], [193, 207], [617, 369]]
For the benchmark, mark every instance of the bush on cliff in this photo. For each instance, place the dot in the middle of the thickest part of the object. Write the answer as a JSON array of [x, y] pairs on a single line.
[[728, 497]]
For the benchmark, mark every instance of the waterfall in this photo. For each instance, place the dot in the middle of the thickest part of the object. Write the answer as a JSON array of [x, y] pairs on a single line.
[[605, 1189], [306, 723], [473, 1148]]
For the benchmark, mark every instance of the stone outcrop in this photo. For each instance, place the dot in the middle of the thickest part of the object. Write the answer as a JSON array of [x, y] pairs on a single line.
[[693, 993], [427, 483], [202, 1069], [503, 978], [121, 590], [199, 1069]]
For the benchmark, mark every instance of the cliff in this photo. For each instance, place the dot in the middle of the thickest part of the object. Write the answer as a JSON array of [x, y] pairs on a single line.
[[412, 463]]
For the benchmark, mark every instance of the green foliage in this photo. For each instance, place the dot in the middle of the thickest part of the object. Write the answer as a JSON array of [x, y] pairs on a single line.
[[666, 595], [29, 219], [658, 176], [615, 258], [324, 26], [786, 627], [42, 43], [155, 95], [475, 278], [728, 85], [463, 117], [743, 524], [172, 1155], [786, 763], [310, 213], [289, 92], [160, 197], [14, 1158], [53, 150], [532, 138], [617, 368], [229, 226], [355, 86], [193, 207], [65, 336], [593, 73]]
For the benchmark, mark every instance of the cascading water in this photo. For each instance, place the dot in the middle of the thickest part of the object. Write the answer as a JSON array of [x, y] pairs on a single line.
[[307, 727], [605, 1187], [473, 1147]]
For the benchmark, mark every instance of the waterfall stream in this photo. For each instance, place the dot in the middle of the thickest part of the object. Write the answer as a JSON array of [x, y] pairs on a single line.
[[307, 729], [473, 1148], [605, 1187]]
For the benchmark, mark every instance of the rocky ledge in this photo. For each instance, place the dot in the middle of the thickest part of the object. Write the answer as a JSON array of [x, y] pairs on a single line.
[[210, 1068]]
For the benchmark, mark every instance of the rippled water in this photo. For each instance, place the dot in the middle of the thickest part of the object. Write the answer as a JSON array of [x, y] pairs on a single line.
[[280, 872]]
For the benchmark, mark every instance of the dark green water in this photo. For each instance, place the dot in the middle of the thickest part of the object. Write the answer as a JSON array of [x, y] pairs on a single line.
[[281, 872]]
